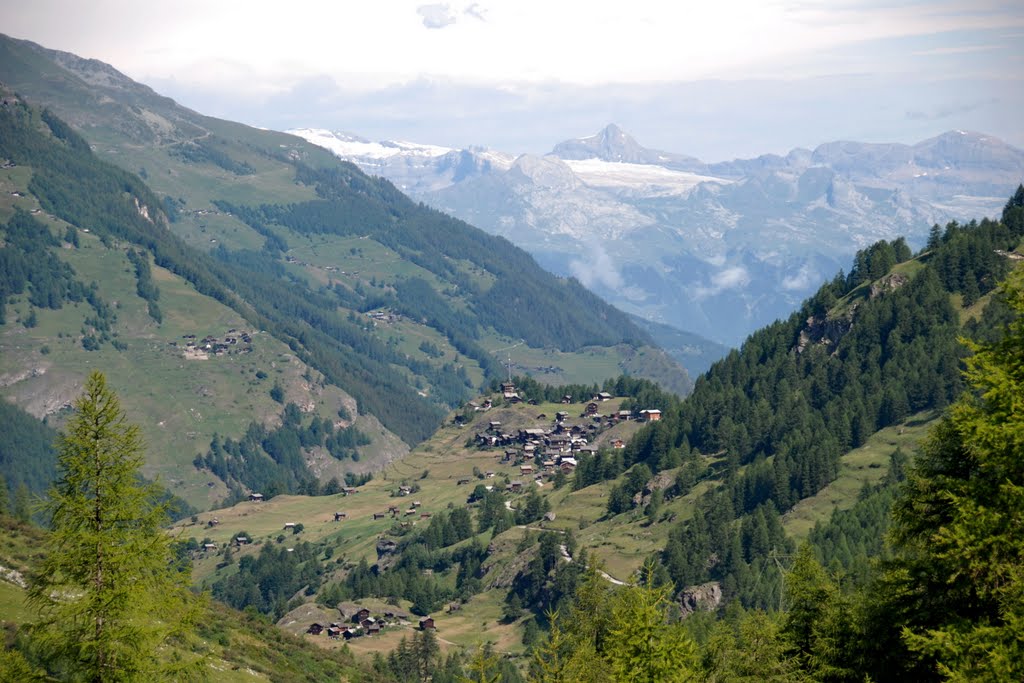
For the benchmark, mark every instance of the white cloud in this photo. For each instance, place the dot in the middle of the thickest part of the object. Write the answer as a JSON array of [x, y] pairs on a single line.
[[730, 278], [733, 277], [586, 43], [800, 280], [717, 80], [476, 11], [436, 16], [597, 270]]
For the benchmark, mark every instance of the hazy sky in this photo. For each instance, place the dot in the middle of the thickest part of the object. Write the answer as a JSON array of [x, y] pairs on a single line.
[[716, 79]]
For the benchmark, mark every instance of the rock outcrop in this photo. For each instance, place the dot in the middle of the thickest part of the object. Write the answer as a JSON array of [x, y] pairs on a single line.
[[705, 597]]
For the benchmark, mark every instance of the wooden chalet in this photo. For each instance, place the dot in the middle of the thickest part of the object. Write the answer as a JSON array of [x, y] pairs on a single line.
[[487, 439], [256, 497], [315, 629], [426, 623]]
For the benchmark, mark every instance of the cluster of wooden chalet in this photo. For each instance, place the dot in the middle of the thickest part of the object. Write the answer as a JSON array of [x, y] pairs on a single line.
[[384, 316], [242, 539], [358, 621], [542, 451], [395, 510], [232, 342]]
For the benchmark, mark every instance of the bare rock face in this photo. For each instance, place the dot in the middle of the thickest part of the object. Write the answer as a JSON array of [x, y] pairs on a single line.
[[660, 481], [825, 332], [705, 597], [385, 546], [889, 283], [386, 553]]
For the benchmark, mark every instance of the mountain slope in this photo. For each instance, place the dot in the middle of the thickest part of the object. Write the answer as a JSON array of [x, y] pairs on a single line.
[[216, 164], [744, 241], [379, 312]]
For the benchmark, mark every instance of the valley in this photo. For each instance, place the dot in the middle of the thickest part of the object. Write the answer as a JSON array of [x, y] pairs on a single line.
[[265, 416]]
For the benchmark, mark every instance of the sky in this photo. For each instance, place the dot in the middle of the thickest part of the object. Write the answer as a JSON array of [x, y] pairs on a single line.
[[718, 80]]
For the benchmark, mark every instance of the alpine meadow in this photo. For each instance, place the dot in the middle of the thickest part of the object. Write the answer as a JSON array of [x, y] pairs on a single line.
[[269, 412]]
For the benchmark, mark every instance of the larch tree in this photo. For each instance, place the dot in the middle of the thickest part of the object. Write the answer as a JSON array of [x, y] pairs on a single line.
[[109, 595]]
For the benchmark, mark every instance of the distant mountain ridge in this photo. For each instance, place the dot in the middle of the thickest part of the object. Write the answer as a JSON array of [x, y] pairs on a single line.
[[720, 248]]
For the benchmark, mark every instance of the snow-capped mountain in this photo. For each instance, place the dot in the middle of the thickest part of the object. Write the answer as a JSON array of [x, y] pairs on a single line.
[[413, 167], [715, 248]]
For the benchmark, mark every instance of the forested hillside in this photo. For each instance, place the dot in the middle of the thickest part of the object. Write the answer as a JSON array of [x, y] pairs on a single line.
[[868, 350]]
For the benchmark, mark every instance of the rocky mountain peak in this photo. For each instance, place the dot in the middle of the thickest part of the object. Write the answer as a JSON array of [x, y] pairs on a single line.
[[611, 143]]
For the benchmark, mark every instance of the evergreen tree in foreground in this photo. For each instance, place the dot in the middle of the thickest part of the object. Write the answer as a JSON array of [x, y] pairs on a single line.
[[109, 594], [616, 635], [959, 526]]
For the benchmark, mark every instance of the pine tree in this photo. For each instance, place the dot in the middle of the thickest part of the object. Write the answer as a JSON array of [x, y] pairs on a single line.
[[482, 667], [642, 647], [959, 573], [109, 595]]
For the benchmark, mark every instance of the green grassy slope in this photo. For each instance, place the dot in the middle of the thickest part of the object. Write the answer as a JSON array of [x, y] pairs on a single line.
[[179, 402]]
